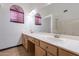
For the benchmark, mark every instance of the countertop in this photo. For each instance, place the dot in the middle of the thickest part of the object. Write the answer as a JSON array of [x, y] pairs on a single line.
[[70, 43]]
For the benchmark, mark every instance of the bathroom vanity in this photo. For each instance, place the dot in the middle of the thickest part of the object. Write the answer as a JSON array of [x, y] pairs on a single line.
[[43, 44]]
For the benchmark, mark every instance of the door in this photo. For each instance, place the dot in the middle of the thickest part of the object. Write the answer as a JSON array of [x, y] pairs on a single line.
[[47, 24]]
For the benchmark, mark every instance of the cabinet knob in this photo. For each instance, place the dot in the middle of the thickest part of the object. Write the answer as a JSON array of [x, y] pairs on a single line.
[[46, 47]]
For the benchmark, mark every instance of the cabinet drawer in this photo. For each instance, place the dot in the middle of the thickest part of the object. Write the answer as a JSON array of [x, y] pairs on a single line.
[[31, 39], [52, 49], [64, 53], [43, 45], [49, 48], [25, 37], [36, 42]]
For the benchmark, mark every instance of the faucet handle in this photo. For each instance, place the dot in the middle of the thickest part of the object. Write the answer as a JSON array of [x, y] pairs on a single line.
[[56, 35]]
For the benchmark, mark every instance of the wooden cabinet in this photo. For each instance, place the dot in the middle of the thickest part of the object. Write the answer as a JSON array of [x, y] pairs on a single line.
[[62, 52], [43, 45], [49, 48], [41, 48], [34, 40], [52, 49], [49, 54], [25, 41], [31, 48], [39, 51], [31, 39], [37, 42]]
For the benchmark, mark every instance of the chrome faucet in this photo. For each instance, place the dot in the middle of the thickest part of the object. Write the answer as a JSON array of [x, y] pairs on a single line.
[[56, 35]]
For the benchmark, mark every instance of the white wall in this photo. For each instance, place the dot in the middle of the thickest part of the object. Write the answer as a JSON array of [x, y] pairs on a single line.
[[0, 23], [9, 32], [30, 22], [64, 23]]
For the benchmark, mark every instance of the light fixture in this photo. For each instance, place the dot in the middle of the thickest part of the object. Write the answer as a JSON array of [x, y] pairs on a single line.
[[65, 10]]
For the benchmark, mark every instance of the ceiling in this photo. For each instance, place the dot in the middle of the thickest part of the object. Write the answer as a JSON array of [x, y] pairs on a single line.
[[30, 6], [36, 5]]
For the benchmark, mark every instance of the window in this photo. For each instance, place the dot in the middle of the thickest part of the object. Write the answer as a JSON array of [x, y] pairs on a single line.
[[37, 19], [16, 14]]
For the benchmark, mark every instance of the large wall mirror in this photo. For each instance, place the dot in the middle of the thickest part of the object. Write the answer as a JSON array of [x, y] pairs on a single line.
[[66, 16]]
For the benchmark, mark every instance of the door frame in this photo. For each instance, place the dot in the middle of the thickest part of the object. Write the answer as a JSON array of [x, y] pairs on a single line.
[[50, 22]]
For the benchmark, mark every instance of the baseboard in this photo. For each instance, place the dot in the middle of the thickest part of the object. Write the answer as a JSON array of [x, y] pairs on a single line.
[[10, 47]]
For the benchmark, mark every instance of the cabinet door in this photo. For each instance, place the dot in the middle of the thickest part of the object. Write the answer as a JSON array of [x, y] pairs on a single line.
[[43, 45], [65, 53], [31, 48], [37, 42], [31, 39], [25, 41], [52, 49], [39, 51], [49, 48], [49, 54]]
